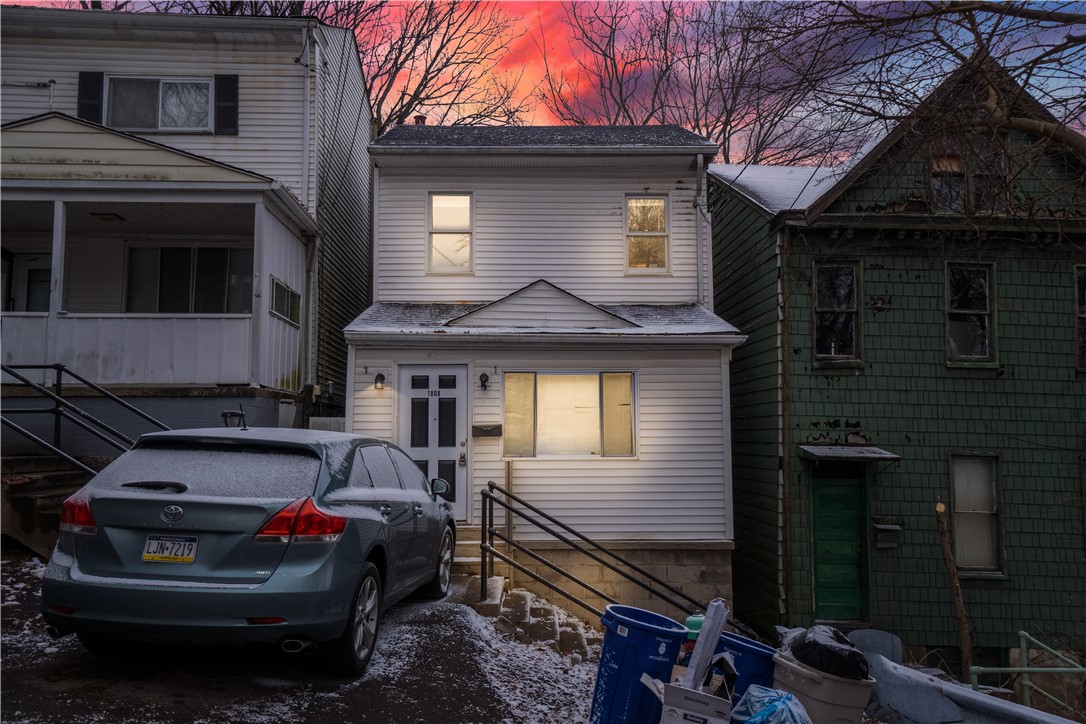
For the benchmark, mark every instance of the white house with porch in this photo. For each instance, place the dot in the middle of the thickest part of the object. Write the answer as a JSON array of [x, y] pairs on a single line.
[[185, 211], [542, 320]]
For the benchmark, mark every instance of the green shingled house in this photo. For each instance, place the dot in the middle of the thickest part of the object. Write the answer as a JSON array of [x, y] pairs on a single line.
[[916, 329]]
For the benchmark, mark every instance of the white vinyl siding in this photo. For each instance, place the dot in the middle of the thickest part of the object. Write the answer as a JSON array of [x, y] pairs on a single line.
[[567, 226], [282, 258], [271, 87], [675, 487]]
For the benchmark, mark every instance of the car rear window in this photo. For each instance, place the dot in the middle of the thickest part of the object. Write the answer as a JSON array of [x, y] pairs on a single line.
[[228, 471]]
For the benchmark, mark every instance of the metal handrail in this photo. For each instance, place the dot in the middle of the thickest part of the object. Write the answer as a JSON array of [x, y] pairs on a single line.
[[65, 410], [487, 549], [1028, 687]]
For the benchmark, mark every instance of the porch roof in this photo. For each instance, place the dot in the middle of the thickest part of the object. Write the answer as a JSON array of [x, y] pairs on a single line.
[[864, 453], [432, 321]]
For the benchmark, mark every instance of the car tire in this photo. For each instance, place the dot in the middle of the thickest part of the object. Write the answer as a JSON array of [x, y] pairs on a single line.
[[438, 587], [350, 653]]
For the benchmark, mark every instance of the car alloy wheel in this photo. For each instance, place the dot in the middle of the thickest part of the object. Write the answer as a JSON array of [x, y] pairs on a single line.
[[366, 612], [349, 654], [439, 584]]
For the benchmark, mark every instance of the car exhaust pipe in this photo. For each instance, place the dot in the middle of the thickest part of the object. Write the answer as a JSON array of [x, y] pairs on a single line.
[[293, 646], [53, 631]]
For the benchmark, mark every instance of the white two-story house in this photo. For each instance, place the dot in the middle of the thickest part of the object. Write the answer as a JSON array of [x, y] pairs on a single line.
[[542, 320], [185, 211]]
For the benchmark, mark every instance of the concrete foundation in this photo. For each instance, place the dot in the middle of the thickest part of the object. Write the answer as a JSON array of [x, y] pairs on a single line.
[[700, 569]]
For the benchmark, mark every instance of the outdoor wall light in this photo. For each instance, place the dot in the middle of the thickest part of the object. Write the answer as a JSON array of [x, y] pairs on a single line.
[[483, 379], [379, 381]]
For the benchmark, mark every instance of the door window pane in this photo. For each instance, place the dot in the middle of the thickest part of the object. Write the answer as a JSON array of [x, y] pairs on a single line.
[[420, 422], [420, 382], [446, 422], [446, 470]]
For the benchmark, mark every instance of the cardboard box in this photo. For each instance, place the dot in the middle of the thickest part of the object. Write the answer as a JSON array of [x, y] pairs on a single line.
[[686, 706]]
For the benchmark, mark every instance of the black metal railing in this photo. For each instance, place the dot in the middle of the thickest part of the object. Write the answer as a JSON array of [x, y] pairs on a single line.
[[62, 409], [625, 569]]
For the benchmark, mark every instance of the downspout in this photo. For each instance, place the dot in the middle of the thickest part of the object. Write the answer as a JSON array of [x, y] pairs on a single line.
[[303, 61], [785, 417], [699, 211]]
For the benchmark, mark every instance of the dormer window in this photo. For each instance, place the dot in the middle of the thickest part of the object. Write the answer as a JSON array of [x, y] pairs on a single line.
[[968, 178], [175, 104]]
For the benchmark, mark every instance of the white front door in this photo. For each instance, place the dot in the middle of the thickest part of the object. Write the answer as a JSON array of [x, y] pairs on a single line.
[[434, 425]]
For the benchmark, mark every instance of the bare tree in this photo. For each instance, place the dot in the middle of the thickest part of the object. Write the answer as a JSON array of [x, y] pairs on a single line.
[[434, 59], [741, 74]]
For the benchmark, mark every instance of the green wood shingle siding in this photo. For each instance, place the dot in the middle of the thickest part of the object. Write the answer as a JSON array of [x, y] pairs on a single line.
[[745, 288], [1030, 411]]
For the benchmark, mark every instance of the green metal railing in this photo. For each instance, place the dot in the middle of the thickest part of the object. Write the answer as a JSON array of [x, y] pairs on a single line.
[[1028, 687]]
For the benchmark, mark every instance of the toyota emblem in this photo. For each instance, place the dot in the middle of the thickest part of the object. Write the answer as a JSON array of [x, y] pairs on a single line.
[[172, 513]]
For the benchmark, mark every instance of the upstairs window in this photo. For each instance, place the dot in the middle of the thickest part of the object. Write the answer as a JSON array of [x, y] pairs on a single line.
[[968, 177], [976, 513], [450, 233], [646, 233], [176, 104], [969, 313], [836, 312], [190, 280], [1080, 294], [553, 414]]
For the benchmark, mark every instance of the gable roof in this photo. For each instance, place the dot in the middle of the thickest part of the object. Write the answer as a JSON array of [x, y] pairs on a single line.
[[811, 189], [578, 139], [56, 145], [541, 305]]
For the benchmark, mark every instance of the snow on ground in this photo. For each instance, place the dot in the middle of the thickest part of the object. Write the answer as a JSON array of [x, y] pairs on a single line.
[[445, 644]]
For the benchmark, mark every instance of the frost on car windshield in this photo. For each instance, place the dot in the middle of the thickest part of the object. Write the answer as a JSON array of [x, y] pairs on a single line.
[[217, 470]]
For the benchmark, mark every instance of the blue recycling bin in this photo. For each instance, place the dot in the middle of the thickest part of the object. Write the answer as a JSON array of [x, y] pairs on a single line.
[[635, 642], [753, 662]]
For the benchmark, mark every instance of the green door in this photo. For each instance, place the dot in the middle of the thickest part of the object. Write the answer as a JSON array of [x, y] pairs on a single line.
[[839, 549]]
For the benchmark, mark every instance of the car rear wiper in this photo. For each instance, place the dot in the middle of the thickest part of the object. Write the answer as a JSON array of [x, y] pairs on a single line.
[[157, 485]]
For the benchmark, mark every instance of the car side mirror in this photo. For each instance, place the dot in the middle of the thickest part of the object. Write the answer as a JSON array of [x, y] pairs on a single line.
[[441, 487]]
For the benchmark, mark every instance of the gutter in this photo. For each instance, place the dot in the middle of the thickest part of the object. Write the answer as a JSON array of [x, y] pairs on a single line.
[[445, 150], [400, 338]]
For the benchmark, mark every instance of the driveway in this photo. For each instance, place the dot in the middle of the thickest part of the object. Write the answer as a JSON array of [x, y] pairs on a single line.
[[435, 662]]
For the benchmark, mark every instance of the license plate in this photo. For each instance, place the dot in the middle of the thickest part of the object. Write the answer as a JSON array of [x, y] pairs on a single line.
[[170, 548]]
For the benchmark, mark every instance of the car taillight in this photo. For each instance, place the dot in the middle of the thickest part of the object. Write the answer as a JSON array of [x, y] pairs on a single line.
[[75, 515], [301, 522]]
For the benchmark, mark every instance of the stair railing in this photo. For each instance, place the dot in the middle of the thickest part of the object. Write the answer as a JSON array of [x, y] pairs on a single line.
[[1028, 687], [62, 410], [497, 495]]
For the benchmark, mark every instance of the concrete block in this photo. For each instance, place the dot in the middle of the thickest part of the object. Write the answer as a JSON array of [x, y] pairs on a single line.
[[572, 640], [517, 606]]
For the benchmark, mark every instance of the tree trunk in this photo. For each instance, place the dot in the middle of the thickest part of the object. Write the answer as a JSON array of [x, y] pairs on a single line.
[[964, 640]]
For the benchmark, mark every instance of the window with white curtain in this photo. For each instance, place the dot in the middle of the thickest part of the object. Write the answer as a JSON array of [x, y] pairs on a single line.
[[450, 233], [568, 413], [976, 512], [174, 104], [646, 233]]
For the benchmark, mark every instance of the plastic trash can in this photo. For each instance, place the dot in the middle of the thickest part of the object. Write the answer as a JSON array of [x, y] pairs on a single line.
[[753, 662], [828, 699], [635, 642]]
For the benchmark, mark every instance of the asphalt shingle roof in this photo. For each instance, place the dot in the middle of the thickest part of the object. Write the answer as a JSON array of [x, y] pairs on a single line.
[[651, 319], [670, 136]]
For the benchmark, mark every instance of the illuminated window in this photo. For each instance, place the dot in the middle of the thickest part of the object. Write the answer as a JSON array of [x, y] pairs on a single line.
[[548, 414], [450, 233], [646, 233]]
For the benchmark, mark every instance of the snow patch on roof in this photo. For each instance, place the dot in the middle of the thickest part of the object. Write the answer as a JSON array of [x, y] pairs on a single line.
[[407, 136], [651, 320], [778, 188]]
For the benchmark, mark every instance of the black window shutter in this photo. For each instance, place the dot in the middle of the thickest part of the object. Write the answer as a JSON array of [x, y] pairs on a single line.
[[226, 105], [90, 96]]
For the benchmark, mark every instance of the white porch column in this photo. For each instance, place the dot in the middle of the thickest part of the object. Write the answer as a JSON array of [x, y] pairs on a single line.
[[56, 286], [260, 305]]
